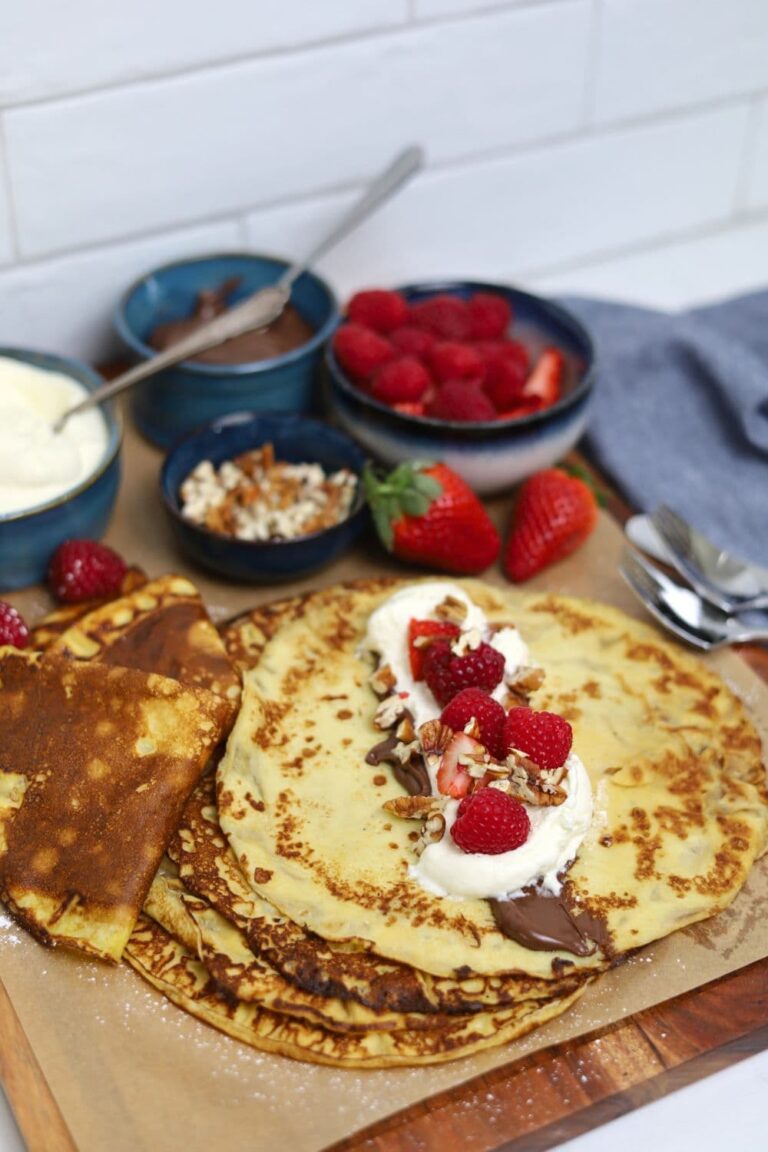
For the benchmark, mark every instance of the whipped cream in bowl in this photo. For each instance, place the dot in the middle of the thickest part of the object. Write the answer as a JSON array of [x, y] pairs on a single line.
[[556, 829], [52, 485]]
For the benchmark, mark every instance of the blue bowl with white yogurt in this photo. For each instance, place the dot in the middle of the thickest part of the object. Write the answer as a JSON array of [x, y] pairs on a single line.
[[53, 487], [491, 455]]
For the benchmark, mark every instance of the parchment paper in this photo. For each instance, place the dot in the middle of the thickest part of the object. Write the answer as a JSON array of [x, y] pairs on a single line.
[[130, 1071]]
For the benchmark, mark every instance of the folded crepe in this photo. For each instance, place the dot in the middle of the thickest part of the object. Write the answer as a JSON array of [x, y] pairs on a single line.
[[95, 767]]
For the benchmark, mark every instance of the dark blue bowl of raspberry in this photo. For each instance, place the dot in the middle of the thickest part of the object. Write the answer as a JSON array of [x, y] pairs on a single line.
[[491, 380]]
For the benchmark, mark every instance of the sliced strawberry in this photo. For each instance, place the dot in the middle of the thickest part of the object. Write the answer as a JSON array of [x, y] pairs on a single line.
[[418, 628], [453, 779], [544, 382]]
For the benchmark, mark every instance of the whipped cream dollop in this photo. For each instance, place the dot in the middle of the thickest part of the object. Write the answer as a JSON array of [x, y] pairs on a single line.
[[556, 830], [387, 635], [556, 833], [36, 463]]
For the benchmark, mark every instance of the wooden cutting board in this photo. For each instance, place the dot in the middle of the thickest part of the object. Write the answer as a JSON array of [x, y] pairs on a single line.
[[538, 1101]]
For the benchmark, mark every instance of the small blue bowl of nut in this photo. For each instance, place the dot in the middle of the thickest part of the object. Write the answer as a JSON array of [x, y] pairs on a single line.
[[263, 498]]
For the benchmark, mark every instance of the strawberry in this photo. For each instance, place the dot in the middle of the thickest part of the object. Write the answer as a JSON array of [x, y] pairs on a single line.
[[426, 514], [401, 381], [378, 309], [544, 382], [553, 516], [544, 736], [490, 315], [410, 408], [83, 570], [418, 629], [473, 703], [13, 629], [446, 674], [360, 350], [452, 778], [490, 822], [461, 400]]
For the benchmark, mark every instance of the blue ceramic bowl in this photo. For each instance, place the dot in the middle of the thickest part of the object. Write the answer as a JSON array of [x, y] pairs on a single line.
[[182, 398], [295, 439], [28, 538], [490, 455]]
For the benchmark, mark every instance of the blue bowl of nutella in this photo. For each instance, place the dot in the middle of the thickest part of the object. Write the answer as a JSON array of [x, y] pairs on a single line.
[[53, 486], [270, 371]]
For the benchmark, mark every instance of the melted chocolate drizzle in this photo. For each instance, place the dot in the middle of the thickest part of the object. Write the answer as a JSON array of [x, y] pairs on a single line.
[[544, 923]]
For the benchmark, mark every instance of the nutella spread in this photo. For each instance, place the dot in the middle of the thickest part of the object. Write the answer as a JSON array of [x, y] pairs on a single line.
[[544, 923], [289, 331]]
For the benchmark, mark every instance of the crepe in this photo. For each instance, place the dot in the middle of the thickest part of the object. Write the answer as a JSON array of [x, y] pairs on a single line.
[[161, 626], [176, 971], [674, 761], [95, 766]]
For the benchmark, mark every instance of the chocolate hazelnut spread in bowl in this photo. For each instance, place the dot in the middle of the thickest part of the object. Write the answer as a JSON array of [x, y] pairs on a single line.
[[268, 371]]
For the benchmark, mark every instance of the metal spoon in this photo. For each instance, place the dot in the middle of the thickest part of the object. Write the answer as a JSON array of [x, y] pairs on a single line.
[[264, 307], [682, 611]]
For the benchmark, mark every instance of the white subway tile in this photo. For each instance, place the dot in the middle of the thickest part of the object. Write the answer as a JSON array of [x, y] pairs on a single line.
[[169, 152], [503, 218], [678, 275], [665, 54], [65, 305], [429, 9], [6, 225], [757, 188], [48, 48]]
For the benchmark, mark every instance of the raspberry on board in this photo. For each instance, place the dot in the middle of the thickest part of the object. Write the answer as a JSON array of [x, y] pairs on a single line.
[[543, 736], [475, 703], [85, 570], [13, 628], [490, 822], [446, 673], [459, 400]]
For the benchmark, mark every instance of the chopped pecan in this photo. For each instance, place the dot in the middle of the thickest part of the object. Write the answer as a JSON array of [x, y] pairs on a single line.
[[467, 642], [413, 807], [524, 682], [388, 713], [452, 610], [433, 830], [405, 730], [435, 737], [403, 752], [383, 680]]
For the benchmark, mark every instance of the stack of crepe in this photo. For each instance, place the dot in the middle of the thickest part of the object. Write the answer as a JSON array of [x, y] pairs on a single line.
[[283, 912]]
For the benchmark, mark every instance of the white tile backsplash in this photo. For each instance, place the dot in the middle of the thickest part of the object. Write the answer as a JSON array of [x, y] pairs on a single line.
[[51, 47], [502, 218], [569, 141], [66, 305], [657, 55], [169, 152]]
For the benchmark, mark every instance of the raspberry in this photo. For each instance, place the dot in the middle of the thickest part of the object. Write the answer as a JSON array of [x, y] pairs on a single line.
[[452, 361], [446, 316], [413, 341], [504, 383], [491, 350], [544, 736], [446, 673], [378, 309], [84, 570], [458, 400], [360, 350], [421, 628], [473, 702], [13, 630], [490, 315], [490, 822], [401, 381]]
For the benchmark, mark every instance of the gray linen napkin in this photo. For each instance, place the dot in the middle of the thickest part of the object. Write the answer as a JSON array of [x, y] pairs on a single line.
[[680, 413]]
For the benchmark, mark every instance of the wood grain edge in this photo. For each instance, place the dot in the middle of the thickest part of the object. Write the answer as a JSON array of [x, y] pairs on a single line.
[[559, 1093], [34, 1107]]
